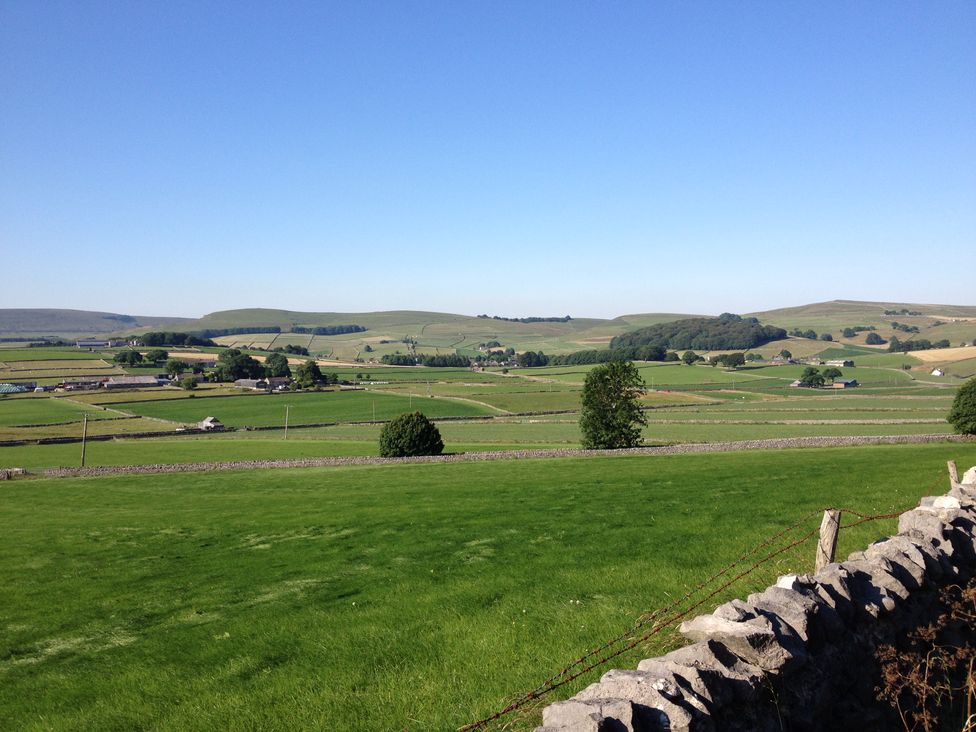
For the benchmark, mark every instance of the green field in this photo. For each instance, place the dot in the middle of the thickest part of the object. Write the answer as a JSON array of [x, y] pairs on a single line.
[[262, 410], [37, 411], [383, 598]]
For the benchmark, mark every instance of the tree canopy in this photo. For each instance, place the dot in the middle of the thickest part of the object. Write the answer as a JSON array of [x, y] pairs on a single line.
[[410, 435], [727, 331], [277, 365], [233, 364], [610, 414], [962, 416]]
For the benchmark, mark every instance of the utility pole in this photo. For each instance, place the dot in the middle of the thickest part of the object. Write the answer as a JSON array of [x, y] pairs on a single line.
[[84, 437], [374, 410], [287, 407]]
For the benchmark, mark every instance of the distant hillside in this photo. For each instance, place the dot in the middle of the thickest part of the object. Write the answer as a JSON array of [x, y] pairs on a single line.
[[54, 322], [838, 314], [727, 332]]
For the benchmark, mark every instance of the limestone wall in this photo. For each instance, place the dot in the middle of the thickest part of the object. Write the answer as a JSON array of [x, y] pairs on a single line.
[[799, 655]]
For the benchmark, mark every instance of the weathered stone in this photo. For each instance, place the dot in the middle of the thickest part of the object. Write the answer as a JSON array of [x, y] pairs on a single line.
[[799, 610], [652, 695], [909, 571], [599, 715], [723, 673], [969, 477], [756, 640]]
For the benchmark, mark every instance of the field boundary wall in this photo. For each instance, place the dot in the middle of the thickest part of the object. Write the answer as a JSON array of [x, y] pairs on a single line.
[[802, 654]]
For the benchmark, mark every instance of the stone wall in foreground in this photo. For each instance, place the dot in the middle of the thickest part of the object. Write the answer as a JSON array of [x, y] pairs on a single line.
[[801, 654]]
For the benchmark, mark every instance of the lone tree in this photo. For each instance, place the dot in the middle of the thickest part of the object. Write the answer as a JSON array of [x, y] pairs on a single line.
[[409, 435], [610, 415], [277, 365], [812, 377], [962, 416], [832, 373], [308, 374]]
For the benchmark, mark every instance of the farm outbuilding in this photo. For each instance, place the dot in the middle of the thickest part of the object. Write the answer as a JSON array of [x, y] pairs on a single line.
[[131, 382], [844, 383], [937, 372], [210, 423], [841, 363]]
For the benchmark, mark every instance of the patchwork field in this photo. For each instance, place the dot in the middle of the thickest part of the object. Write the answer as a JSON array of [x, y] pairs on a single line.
[[382, 598]]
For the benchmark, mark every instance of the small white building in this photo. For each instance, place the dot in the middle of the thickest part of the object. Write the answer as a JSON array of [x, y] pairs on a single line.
[[210, 423], [937, 372]]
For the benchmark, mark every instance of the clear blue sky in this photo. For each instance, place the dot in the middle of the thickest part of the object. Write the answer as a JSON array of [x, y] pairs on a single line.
[[529, 158]]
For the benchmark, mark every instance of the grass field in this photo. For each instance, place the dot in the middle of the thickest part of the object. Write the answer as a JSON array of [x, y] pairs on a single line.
[[382, 598], [261, 410], [44, 411]]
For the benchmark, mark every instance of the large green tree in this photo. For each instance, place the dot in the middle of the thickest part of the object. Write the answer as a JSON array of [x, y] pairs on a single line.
[[962, 416], [308, 374], [610, 414], [232, 365], [277, 365]]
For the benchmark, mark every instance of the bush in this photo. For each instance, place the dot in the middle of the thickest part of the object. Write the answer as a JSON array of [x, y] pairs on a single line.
[[610, 413], [409, 435], [962, 416]]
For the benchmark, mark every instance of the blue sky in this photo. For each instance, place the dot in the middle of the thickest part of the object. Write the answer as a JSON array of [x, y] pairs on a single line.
[[531, 158]]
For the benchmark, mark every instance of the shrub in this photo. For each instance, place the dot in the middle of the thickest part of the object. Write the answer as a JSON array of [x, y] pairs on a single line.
[[409, 435]]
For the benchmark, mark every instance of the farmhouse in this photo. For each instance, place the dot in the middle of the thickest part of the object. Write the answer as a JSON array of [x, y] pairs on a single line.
[[841, 363], [131, 382], [937, 372], [93, 343], [75, 384], [210, 423], [844, 383], [276, 383]]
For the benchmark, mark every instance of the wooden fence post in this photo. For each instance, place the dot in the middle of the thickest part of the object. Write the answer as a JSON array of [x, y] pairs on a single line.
[[953, 473], [828, 538]]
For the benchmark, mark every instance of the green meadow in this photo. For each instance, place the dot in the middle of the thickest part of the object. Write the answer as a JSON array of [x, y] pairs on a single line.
[[384, 597]]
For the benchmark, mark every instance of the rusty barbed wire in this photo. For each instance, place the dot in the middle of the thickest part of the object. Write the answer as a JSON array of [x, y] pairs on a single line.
[[579, 667]]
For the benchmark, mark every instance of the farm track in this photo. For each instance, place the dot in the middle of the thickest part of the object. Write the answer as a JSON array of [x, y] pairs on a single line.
[[678, 449]]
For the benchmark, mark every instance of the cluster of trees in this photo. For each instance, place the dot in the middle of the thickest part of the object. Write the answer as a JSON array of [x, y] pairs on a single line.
[[902, 327], [309, 374], [873, 339], [155, 339], [498, 356], [797, 333], [128, 358], [728, 331], [244, 330], [903, 311], [531, 359], [294, 350], [606, 355], [440, 361], [328, 330], [852, 332], [564, 319], [922, 344], [731, 360], [812, 376]]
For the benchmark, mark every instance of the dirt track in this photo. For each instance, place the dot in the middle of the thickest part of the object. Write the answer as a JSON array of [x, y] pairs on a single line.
[[780, 443]]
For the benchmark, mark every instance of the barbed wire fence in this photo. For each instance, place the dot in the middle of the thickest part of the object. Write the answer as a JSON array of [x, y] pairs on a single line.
[[652, 623]]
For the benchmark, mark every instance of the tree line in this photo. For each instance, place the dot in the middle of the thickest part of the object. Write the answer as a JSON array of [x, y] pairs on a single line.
[[728, 331]]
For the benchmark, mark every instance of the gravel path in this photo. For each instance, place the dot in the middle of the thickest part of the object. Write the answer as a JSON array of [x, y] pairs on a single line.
[[682, 449]]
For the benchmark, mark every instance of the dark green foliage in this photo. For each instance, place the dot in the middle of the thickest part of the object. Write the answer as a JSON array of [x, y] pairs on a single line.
[[308, 374], [218, 332], [167, 338], [410, 435], [704, 334], [826, 337], [873, 339], [832, 373], [441, 361], [732, 360], [292, 349], [962, 416], [808, 334], [610, 414], [920, 344], [531, 319], [277, 365], [606, 355], [176, 366], [232, 365], [531, 359], [812, 377], [156, 355], [689, 357], [187, 383], [785, 354], [328, 329], [129, 358]]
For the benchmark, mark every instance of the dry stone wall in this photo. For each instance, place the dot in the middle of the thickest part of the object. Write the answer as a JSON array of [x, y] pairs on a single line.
[[801, 654]]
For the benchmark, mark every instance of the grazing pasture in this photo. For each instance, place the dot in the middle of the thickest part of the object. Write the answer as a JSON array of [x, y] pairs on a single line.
[[366, 598], [261, 410]]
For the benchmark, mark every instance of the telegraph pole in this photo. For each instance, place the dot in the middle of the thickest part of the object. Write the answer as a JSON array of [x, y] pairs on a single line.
[[287, 407], [84, 437]]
